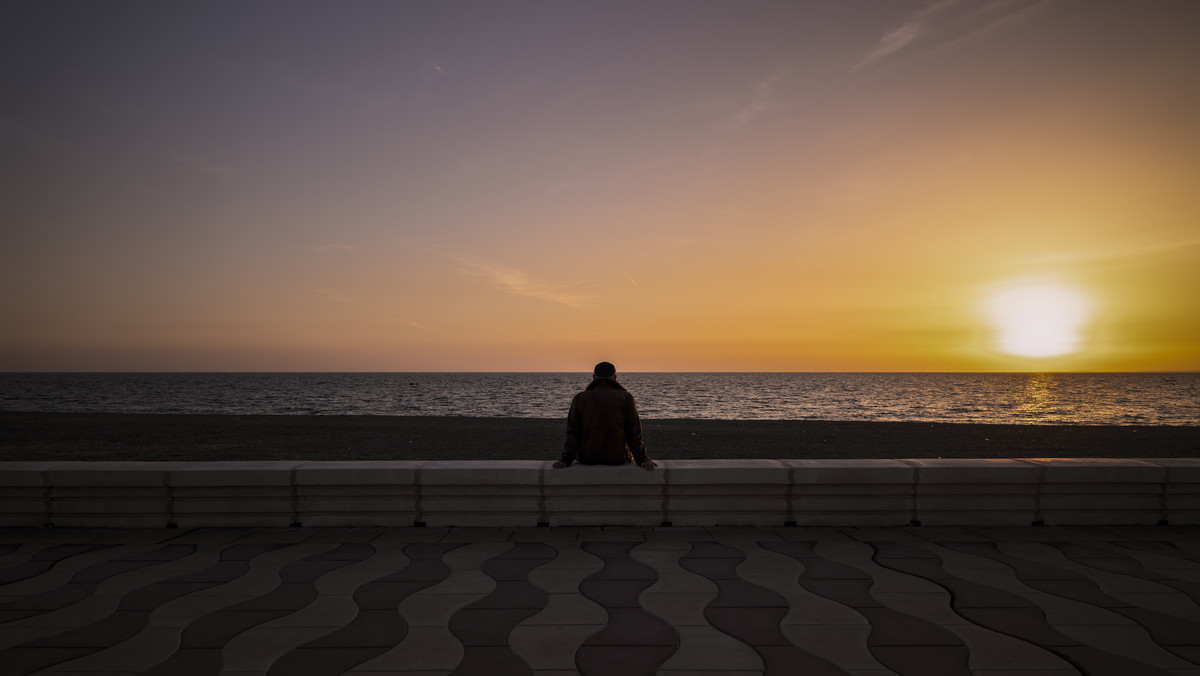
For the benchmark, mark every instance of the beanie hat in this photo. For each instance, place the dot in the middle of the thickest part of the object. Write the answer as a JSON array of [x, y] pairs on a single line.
[[604, 370]]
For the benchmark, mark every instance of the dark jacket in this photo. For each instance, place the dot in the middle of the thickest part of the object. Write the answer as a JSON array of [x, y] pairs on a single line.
[[603, 427]]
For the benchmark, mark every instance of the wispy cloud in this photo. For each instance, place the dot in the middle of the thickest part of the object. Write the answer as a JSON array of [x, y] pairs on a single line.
[[518, 282], [996, 16], [903, 35], [431, 67], [975, 20], [762, 99], [1116, 252]]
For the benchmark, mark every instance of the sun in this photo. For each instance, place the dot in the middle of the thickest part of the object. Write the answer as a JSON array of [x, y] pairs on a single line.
[[1038, 318]]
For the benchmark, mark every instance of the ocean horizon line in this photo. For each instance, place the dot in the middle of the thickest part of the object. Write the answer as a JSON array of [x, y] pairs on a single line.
[[619, 372]]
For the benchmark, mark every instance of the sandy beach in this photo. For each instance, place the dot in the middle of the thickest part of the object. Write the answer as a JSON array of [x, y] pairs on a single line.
[[96, 437]]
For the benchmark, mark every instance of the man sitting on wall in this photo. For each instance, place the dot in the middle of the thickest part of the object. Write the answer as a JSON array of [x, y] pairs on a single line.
[[603, 427]]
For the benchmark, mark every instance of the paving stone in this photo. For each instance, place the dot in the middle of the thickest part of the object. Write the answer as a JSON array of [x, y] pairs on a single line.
[[210, 536], [769, 569], [20, 551], [1028, 624], [463, 581], [641, 660], [490, 661], [634, 627], [1114, 601], [550, 647], [1098, 663], [612, 534], [1131, 642], [990, 650], [678, 609], [514, 594], [557, 578], [140, 652], [55, 566], [324, 611], [424, 648], [625, 569], [840, 644], [806, 608], [327, 661], [712, 568], [476, 535], [31, 659], [1180, 605], [614, 593], [921, 659], [891, 628], [260, 647], [434, 610], [551, 535], [486, 626], [933, 608], [778, 659], [679, 581], [753, 626], [702, 648], [119, 626], [853, 593], [741, 594], [276, 535], [566, 609], [469, 556], [436, 602], [1026, 672]]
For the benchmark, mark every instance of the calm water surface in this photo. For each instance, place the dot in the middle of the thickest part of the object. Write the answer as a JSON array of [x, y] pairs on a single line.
[[1043, 398]]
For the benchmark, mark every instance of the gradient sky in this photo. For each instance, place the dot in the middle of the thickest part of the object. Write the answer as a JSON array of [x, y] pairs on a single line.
[[671, 186]]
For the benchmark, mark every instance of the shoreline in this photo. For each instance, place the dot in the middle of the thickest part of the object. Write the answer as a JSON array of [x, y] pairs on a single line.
[[193, 437]]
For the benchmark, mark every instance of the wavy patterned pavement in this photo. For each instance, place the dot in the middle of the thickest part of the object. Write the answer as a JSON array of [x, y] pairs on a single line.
[[1047, 601]]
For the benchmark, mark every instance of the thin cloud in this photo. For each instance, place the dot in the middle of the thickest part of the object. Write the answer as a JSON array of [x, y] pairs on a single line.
[[1023, 11], [762, 100], [433, 67], [902, 36], [519, 282], [976, 21], [1115, 253]]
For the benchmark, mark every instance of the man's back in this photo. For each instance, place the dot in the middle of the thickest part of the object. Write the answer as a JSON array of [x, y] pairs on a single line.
[[603, 427]]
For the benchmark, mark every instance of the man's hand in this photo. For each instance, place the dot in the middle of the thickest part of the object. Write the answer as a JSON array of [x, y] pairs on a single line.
[[648, 465], [559, 464]]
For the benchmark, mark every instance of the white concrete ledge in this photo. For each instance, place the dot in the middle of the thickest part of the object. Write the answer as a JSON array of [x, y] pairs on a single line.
[[528, 492]]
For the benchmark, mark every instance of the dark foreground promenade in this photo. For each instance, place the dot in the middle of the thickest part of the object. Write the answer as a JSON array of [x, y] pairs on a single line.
[[101, 437], [1043, 601]]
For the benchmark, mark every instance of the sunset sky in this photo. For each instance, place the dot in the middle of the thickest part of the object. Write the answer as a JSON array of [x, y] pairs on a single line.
[[537, 186]]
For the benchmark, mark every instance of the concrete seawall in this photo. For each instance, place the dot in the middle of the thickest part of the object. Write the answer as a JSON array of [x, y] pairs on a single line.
[[963, 492]]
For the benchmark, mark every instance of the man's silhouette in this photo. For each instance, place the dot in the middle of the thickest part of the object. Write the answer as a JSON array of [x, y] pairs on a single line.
[[603, 427]]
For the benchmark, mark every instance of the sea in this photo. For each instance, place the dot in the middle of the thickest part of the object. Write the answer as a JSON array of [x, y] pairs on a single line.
[[1022, 398]]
